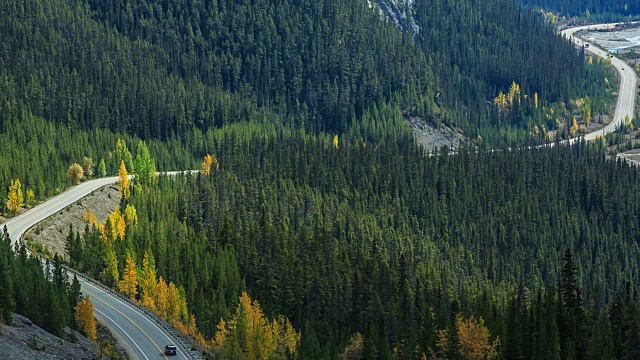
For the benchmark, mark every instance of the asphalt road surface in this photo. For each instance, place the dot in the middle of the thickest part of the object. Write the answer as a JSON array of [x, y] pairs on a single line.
[[142, 337], [628, 82], [139, 334]]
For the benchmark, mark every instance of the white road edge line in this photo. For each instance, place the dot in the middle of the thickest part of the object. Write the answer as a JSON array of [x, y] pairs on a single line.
[[116, 324], [143, 316]]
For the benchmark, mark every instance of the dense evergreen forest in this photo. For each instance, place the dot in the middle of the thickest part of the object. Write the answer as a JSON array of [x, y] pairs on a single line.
[[595, 10], [348, 237], [480, 47], [43, 294], [77, 74], [319, 205]]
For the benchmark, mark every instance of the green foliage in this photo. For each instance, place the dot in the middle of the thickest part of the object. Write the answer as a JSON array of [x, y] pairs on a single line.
[[145, 167], [46, 300], [384, 241]]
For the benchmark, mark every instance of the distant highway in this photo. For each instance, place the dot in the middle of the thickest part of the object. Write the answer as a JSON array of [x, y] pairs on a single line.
[[628, 82], [142, 337]]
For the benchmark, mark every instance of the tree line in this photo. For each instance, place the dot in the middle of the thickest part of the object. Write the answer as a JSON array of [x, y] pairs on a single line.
[[344, 237]]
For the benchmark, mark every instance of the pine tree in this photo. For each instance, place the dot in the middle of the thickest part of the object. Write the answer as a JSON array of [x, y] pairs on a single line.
[[145, 168], [102, 168], [110, 273]]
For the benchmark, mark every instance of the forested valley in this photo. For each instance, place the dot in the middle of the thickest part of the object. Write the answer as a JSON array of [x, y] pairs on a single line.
[[315, 213], [595, 10], [345, 238]]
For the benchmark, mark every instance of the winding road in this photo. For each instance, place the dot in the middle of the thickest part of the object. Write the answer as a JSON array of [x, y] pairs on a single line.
[[139, 333], [145, 338], [628, 82]]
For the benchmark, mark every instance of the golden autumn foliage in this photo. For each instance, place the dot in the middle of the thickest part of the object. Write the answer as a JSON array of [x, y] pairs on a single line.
[[475, 340], [535, 99], [148, 282], [90, 217], [123, 181], [501, 101], [129, 283], [335, 141], [354, 349], [85, 318], [514, 93], [250, 335], [75, 173], [16, 199], [574, 128], [115, 225], [131, 215], [210, 161], [162, 297]]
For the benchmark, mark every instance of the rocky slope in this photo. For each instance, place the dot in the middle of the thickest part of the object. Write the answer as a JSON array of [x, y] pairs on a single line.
[[26, 341]]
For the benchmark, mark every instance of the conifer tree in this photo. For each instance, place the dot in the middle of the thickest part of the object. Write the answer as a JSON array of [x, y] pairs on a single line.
[[145, 168], [110, 274], [148, 283], [102, 168], [129, 283], [123, 181]]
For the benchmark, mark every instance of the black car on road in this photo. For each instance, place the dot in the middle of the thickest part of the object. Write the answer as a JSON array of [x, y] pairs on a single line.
[[170, 350]]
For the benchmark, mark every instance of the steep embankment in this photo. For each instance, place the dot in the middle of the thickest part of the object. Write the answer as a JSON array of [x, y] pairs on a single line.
[[26, 341]]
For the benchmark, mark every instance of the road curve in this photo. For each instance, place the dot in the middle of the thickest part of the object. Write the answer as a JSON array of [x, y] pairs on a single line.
[[628, 82], [143, 337]]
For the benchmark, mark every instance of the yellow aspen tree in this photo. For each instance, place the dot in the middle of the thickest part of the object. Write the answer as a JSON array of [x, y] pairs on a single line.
[[590, 60], [288, 337], [193, 328], [173, 299], [501, 101], [249, 334], [535, 99], [85, 318], [129, 283], [514, 93], [123, 181], [116, 225], [222, 334], [162, 298], [75, 173], [335, 141], [209, 162], [16, 199], [90, 217], [574, 128], [148, 282], [474, 340], [131, 214]]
